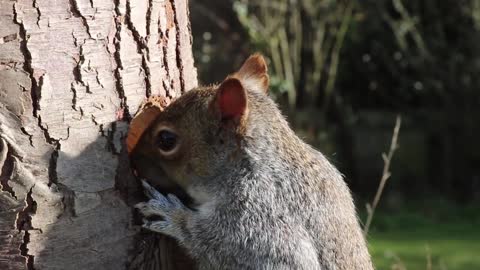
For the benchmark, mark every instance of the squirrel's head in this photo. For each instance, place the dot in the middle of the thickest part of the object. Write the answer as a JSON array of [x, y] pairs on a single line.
[[201, 131]]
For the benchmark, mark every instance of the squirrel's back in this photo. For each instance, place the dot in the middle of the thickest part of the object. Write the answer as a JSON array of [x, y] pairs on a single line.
[[280, 179]]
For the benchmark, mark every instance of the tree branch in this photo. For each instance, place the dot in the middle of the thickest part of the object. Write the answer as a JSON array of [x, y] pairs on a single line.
[[387, 159]]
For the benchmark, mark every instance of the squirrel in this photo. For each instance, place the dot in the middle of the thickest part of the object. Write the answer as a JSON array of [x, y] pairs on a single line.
[[262, 198]]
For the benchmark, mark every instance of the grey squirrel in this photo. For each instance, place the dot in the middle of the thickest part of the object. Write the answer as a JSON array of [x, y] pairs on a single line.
[[262, 198]]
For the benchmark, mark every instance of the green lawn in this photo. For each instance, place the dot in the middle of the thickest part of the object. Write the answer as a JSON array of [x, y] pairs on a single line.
[[451, 237]]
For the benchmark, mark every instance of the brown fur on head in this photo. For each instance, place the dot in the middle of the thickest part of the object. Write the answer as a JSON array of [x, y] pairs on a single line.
[[206, 123]]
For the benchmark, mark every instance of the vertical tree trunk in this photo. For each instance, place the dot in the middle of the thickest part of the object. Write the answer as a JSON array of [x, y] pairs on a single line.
[[72, 73]]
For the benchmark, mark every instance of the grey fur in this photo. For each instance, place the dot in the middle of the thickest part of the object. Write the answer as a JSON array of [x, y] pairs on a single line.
[[270, 202], [263, 199]]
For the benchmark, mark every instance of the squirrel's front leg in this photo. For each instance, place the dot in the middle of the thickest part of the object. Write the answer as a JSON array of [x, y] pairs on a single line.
[[173, 211]]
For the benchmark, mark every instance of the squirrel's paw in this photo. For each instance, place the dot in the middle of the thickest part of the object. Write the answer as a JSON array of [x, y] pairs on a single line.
[[173, 211], [164, 206], [163, 226], [150, 191]]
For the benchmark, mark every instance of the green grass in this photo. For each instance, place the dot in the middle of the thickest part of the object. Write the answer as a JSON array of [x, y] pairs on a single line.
[[449, 235]]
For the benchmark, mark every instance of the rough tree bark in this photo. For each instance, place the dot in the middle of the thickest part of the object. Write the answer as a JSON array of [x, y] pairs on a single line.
[[72, 73]]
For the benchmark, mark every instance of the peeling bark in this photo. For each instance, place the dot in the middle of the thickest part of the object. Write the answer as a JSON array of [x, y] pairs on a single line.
[[72, 72]]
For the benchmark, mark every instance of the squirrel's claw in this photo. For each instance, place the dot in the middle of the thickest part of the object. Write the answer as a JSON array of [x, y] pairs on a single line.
[[156, 207], [150, 191], [169, 207], [147, 210], [160, 226]]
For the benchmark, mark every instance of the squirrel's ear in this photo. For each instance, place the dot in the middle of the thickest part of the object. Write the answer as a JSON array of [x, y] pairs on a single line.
[[231, 100], [253, 73]]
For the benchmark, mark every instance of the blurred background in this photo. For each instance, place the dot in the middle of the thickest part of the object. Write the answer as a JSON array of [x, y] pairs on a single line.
[[342, 71]]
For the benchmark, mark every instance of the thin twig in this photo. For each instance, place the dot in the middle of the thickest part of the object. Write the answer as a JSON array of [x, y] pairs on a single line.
[[429, 257], [385, 175], [398, 265]]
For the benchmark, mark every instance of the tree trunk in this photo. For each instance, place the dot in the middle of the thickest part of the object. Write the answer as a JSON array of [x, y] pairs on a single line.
[[72, 73]]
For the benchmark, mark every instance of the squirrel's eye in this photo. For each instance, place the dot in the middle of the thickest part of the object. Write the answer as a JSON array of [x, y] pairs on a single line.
[[166, 141]]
